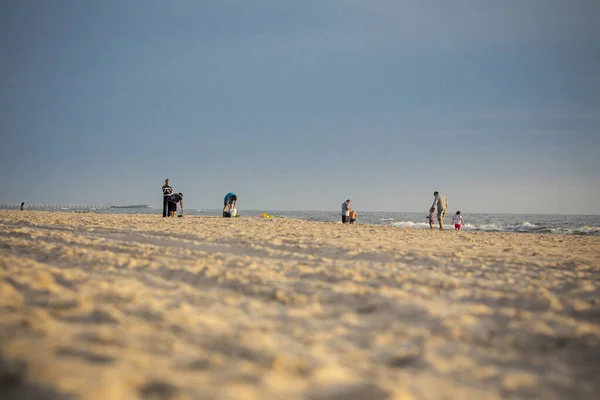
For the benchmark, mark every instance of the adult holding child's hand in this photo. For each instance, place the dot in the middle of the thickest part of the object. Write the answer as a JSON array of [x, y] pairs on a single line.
[[442, 206]]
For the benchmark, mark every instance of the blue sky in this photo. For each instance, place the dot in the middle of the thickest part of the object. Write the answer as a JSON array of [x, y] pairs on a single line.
[[298, 105]]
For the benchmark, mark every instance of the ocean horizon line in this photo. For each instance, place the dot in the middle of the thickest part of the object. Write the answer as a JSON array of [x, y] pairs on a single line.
[[193, 207]]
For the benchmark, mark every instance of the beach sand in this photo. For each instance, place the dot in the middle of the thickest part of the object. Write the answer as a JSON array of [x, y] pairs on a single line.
[[99, 306]]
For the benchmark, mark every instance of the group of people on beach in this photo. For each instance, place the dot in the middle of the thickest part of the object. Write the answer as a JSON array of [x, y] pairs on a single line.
[[441, 204], [171, 199], [349, 215]]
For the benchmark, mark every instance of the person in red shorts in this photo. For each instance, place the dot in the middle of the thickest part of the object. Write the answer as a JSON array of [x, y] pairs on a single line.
[[458, 221]]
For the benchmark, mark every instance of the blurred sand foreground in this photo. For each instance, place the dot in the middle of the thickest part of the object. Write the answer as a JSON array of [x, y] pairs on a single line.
[[136, 306]]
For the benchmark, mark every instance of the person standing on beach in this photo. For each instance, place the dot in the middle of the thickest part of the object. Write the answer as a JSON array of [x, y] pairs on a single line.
[[167, 192], [345, 211], [442, 206], [229, 204], [22, 205]]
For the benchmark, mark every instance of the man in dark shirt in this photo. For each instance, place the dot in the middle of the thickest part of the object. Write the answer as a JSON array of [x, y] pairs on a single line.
[[167, 191]]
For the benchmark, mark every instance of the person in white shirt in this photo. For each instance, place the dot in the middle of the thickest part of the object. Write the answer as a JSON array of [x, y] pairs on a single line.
[[458, 221]]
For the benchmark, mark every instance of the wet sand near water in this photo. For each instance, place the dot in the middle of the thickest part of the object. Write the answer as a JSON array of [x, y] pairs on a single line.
[[97, 306]]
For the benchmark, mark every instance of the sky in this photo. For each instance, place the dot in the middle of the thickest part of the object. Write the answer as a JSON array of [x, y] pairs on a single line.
[[299, 105]]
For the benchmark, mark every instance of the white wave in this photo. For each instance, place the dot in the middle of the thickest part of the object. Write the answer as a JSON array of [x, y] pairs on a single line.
[[524, 227], [529, 224], [583, 230], [469, 227], [591, 229], [410, 224], [488, 227]]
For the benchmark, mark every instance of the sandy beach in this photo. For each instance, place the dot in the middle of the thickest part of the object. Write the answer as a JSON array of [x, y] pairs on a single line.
[[97, 306]]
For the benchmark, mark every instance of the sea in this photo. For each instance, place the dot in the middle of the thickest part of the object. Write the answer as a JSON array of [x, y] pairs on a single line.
[[525, 223]]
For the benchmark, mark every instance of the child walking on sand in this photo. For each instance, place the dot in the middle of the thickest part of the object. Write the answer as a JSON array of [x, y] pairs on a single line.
[[458, 221], [431, 217]]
